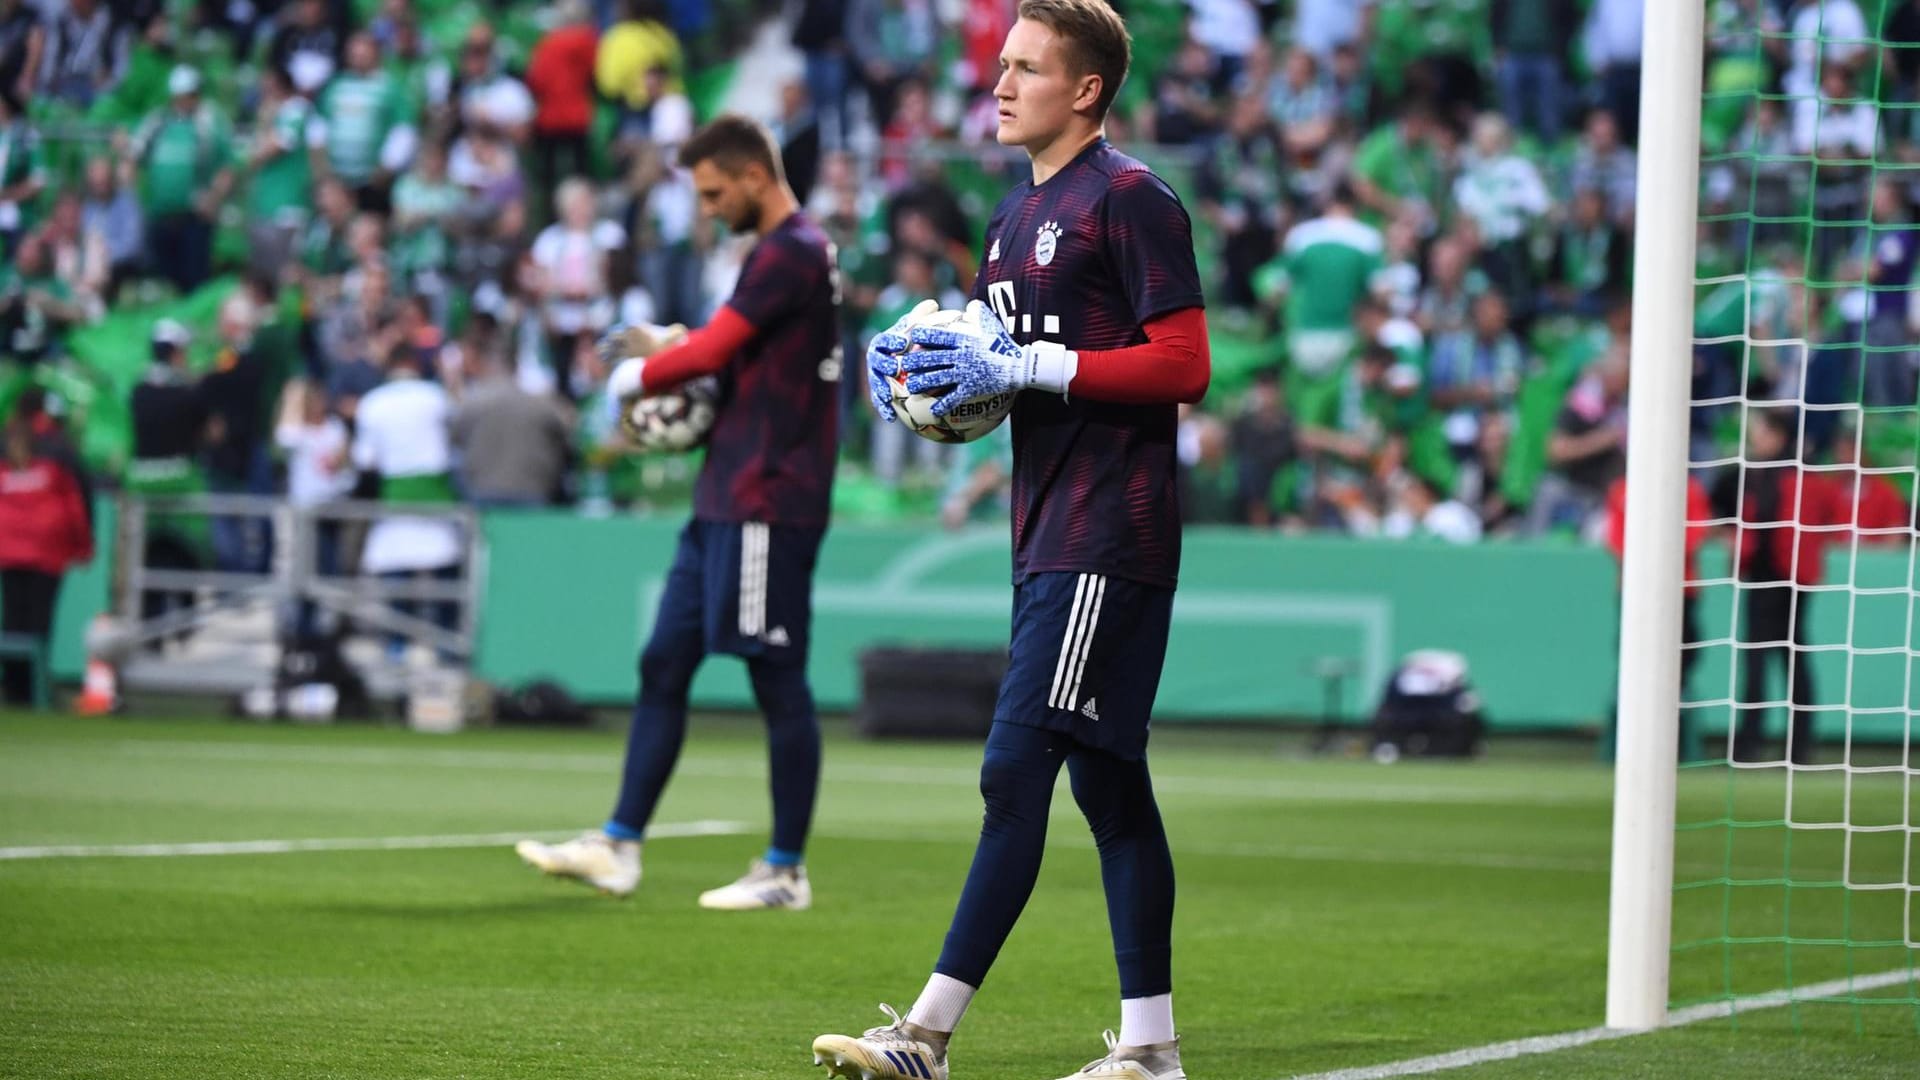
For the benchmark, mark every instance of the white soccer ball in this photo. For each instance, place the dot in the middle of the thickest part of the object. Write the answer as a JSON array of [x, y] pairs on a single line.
[[964, 424], [673, 422]]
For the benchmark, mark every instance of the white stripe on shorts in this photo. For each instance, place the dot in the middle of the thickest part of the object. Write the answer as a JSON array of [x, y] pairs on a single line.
[[1093, 627], [1066, 645], [753, 579], [1077, 642]]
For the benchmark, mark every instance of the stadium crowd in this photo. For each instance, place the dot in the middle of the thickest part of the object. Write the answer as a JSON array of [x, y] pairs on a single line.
[[1419, 213]]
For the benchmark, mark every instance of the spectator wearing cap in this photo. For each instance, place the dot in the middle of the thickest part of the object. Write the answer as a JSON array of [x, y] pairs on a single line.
[[111, 210], [183, 153], [169, 428], [169, 412], [45, 529], [22, 174], [560, 77]]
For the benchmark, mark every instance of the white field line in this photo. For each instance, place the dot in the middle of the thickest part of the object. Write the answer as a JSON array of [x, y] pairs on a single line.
[[1276, 790], [1548, 1044], [368, 843]]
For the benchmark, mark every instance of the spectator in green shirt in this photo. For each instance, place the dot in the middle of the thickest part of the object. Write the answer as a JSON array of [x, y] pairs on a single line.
[[368, 130], [36, 307], [183, 154], [282, 181], [1397, 171], [1326, 266], [22, 176]]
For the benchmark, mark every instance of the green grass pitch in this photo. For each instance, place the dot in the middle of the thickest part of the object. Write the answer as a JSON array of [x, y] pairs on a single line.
[[1332, 914]]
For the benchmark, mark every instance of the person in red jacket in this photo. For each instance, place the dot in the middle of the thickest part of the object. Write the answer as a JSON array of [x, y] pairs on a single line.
[[1786, 517], [44, 529], [1699, 512], [560, 77]]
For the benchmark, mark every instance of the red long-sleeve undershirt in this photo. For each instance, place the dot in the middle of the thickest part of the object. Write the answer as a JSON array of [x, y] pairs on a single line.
[[1173, 366], [704, 352]]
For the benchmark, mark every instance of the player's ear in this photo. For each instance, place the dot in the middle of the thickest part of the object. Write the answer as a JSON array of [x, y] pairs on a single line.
[[1087, 96]]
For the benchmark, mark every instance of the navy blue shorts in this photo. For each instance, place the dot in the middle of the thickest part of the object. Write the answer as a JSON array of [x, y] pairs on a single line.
[[745, 588], [1085, 659]]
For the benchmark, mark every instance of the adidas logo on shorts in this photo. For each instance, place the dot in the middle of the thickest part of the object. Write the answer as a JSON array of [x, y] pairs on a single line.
[[1090, 712]]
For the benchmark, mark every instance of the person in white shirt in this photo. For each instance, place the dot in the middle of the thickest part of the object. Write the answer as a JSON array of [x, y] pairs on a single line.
[[1613, 43], [402, 436], [1835, 28], [570, 263], [1503, 193], [315, 442], [1321, 26], [1842, 132]]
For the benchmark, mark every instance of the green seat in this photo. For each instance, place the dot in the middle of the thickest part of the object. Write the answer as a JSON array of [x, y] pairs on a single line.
[[20, 647]]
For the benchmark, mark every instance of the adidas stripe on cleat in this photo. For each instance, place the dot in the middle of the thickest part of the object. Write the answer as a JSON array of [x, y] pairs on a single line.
[[897, 1051]]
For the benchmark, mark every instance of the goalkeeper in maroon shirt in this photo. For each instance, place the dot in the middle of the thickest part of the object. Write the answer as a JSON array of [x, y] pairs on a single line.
[[742, 580], [1088, 304]]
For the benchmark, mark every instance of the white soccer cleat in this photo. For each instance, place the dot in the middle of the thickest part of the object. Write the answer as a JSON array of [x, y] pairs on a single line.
[[898, 1051], [1161, 1061], [592, 858], [764, 886]]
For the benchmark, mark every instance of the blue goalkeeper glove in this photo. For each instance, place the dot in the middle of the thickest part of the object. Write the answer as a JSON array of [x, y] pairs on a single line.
[[883, 357], [978, 358]]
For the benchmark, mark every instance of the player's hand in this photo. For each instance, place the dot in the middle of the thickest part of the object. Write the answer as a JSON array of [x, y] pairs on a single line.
[[623, 341], [978, 358], [883, 357], [626, 382]]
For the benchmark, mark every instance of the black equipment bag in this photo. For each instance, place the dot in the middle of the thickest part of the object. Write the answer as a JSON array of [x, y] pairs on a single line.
[[928, 692]]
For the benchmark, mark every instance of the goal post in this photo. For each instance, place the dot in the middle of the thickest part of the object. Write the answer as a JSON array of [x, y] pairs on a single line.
[[1646, 770]]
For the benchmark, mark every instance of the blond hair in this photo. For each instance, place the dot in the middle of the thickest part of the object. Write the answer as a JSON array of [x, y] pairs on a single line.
[[1097, 41]]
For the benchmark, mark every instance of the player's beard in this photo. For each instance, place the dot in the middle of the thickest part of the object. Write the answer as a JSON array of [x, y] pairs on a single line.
[[747, 222]]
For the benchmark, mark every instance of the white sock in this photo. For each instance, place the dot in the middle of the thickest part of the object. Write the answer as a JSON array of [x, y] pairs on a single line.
[[1146, 1021], [942, 1004]]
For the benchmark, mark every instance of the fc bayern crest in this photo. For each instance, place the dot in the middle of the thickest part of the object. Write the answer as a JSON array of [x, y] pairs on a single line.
[[1049, 241]]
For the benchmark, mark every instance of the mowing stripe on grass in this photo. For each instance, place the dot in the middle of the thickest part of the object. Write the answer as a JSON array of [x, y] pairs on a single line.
[[1475, 860], [1275, 790], [1548, 1044], [368, 843]]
